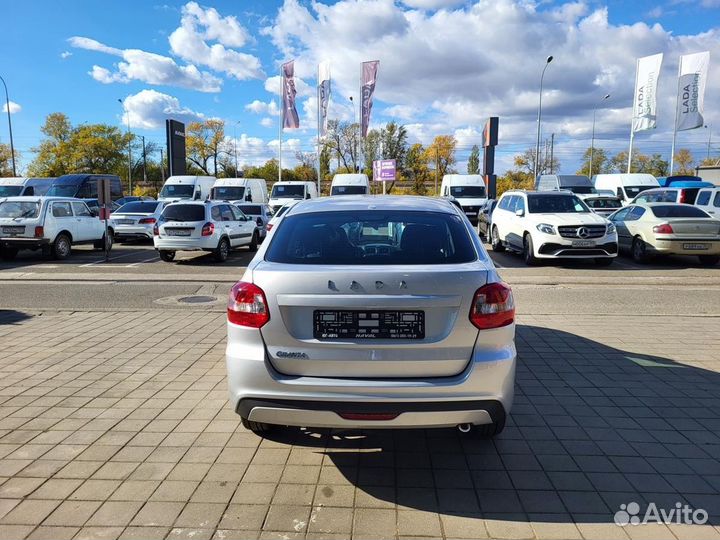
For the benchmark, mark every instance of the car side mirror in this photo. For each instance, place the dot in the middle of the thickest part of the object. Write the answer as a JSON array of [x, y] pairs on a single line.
[[520, 212]]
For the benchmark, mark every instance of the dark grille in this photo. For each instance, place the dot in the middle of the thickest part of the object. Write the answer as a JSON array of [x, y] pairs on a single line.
[[571, 231]]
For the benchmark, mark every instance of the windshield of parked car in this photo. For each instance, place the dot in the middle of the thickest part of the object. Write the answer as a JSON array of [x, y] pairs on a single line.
[[138, 207], [294, 191], [555, 204], [228, 193], [10, 191], [634, 191], [182, 191], [63, 191], [184, 212], [603, 203], [371, 237], [251, 209], [18, 209], [466, 192], [678, 211], [349, 190]]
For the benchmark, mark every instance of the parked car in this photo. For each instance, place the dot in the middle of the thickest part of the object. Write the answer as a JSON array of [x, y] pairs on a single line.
[[626, 186], [549, 225], [52, 224], [213, 226], [468, 189], [283, 192], [382, 312], [186, 187], [136, 220], [84, 186], [23, 186], [668, 229], [602, 204], [708, 199], [238, 190], [677, 194], [577, 183], [350, 184], [485, 218], [277, 215], [133, 198], [261, 213]]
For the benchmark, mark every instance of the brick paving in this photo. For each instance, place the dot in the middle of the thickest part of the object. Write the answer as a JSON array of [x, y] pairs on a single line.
[[116, 425]]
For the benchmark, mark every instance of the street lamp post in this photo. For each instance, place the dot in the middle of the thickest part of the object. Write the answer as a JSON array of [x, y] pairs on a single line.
[[127, 115], [354, 134], [592, 139], [12, 146], [537, 142], [235, 147]]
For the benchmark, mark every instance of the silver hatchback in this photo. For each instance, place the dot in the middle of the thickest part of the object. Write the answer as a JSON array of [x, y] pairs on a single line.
[[372, 312]]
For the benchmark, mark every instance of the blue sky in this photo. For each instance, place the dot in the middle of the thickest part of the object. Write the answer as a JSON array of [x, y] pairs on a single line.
[[445, 66]]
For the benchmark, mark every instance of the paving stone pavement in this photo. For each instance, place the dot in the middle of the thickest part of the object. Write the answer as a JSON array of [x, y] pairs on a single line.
[[116, 425]]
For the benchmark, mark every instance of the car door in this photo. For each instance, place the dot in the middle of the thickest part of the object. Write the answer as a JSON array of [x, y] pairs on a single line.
[[88, 226], [618, 219], [632, 224], [520, 222], [246, 226], [61, 212]]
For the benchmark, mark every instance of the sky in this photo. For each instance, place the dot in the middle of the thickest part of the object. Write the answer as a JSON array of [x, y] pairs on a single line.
[[445, 67]]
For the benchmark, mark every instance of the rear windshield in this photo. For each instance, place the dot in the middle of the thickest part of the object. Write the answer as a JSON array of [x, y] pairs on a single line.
[[581, 189], [251, 209], [679, 211], [138, 208], [294, 191], [184, 212], [466, 192], [17, 209], [228, 193], [10, 191], [603, 203], [634, 191], [349, 190], [371, 237], [555, 204], [182, 191]]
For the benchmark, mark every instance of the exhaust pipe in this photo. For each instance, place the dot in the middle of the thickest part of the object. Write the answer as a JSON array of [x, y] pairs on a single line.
[[464, 428]]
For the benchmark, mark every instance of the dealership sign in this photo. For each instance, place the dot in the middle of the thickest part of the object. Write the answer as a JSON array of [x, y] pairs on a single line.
[[384, 170]]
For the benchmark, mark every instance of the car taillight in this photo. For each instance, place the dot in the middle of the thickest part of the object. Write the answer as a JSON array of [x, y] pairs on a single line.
[[493, 306], [683, 196], [156, 230], [208, 229], [39, 232], [665, 228], [247, 305], [269, 226], [147, 220]]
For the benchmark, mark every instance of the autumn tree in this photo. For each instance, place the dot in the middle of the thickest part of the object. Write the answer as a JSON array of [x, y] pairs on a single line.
[[600, 162], [684, 161], [416, 168], [6, 164], [342, 140], [641, 163], [371, 151], [526, 162], [514, 179], [205, 144], [440, 155], [473, 165]]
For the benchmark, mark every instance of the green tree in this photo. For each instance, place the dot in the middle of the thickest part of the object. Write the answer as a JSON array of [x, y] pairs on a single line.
[[393, 145], [526, 162], [514, 179], [684, 162], [53, 154], [325, 162], [205, 144], [371, 151], [440, 155], [600, 162], [416, 168], [473, 165], [6, 168], [641, 163], [343, 140]]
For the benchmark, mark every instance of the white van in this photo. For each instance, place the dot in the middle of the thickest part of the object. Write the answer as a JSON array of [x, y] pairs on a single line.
[[284, 192], [577, 183], [626, 186], [468, 189], [239, 190], [350, 184], [708, 199], [195, 188], [21, 186]]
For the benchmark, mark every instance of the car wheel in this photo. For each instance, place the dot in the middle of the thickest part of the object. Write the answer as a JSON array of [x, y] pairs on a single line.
[[8, 253], [222, 251], [100, 244], [497, 245], [529, 251], [604, 261], [709, 260], [62, 247], [253, 246], [639, 250], [256, 427], [167, 256]]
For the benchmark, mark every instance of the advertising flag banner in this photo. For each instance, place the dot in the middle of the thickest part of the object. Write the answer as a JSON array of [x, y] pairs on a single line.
[[691, 90], [323, 95], [645, 102], [369, 74], [290, 117]]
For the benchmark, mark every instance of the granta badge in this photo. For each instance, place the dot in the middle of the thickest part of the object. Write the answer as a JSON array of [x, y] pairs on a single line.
[[284, 354]]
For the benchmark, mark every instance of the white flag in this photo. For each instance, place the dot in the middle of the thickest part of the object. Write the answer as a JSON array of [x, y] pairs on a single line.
[[645, 102], [323, 96], [691, 90]]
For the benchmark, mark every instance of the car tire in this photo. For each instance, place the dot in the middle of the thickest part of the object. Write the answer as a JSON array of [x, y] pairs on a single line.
[[8, 253], [495, 242], [100, 244], [62, 247], [253, 245], [256, 427], [486, 431], [529, 251], [604, 261], [221, 252], [167, 256], [709, 260], [639, 250]]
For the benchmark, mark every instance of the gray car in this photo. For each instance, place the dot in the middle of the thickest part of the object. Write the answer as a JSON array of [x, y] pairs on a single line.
[[382, 312]]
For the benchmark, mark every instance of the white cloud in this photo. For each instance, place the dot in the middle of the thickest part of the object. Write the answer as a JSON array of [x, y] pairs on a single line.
[[432, 4], [268, 122], [261, 107], [148, 109], [14, 108], [402, 112], [274, 84], [65, 54], [147, 67], [198, 26]]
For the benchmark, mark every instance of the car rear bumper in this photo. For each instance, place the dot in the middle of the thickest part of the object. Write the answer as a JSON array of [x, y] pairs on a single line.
[[679, 246], [24, 243], [195, 244], [126, 231]]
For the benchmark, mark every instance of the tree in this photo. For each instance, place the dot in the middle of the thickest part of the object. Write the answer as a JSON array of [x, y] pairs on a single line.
[[684, 160], [441, 154], [342, 140], [641, 163], [514, 179], [473, 165], [205, 143], [53, 155], [526, 162], [371, 150], [325, 162], [416, 168], [6, 168], [600, 162], [393, 145]]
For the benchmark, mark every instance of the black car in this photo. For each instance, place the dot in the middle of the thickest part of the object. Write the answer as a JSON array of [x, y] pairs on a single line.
[[485, 217]]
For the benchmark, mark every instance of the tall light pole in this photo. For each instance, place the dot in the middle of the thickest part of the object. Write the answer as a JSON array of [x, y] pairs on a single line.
[[537, 143], [127, 116], [592, 139], [235, 146], [12, 146], [354, 134], [709, 140]]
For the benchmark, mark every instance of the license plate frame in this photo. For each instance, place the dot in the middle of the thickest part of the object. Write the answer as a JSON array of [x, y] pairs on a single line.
[[396, 325], [13, 230], [584, 243], [184, 233], [696, 246], [126, 222]]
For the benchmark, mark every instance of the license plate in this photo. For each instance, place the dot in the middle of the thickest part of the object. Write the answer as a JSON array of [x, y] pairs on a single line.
[[583, 243], [177, 232], [376, 324], [126, 222], [13, 230], [471, 213], [696, 246]]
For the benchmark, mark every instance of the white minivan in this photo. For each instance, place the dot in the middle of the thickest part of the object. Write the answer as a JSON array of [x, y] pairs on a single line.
[[468, 189], [186, 187], [240, 190], [708, 199], [22, 186], [625, 186], [350, 184], [284, 192]]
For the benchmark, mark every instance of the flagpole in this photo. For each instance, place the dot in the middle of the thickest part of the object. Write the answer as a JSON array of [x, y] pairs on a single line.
[[677, 102], [282, 120], [319, 83], [632, 116]]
